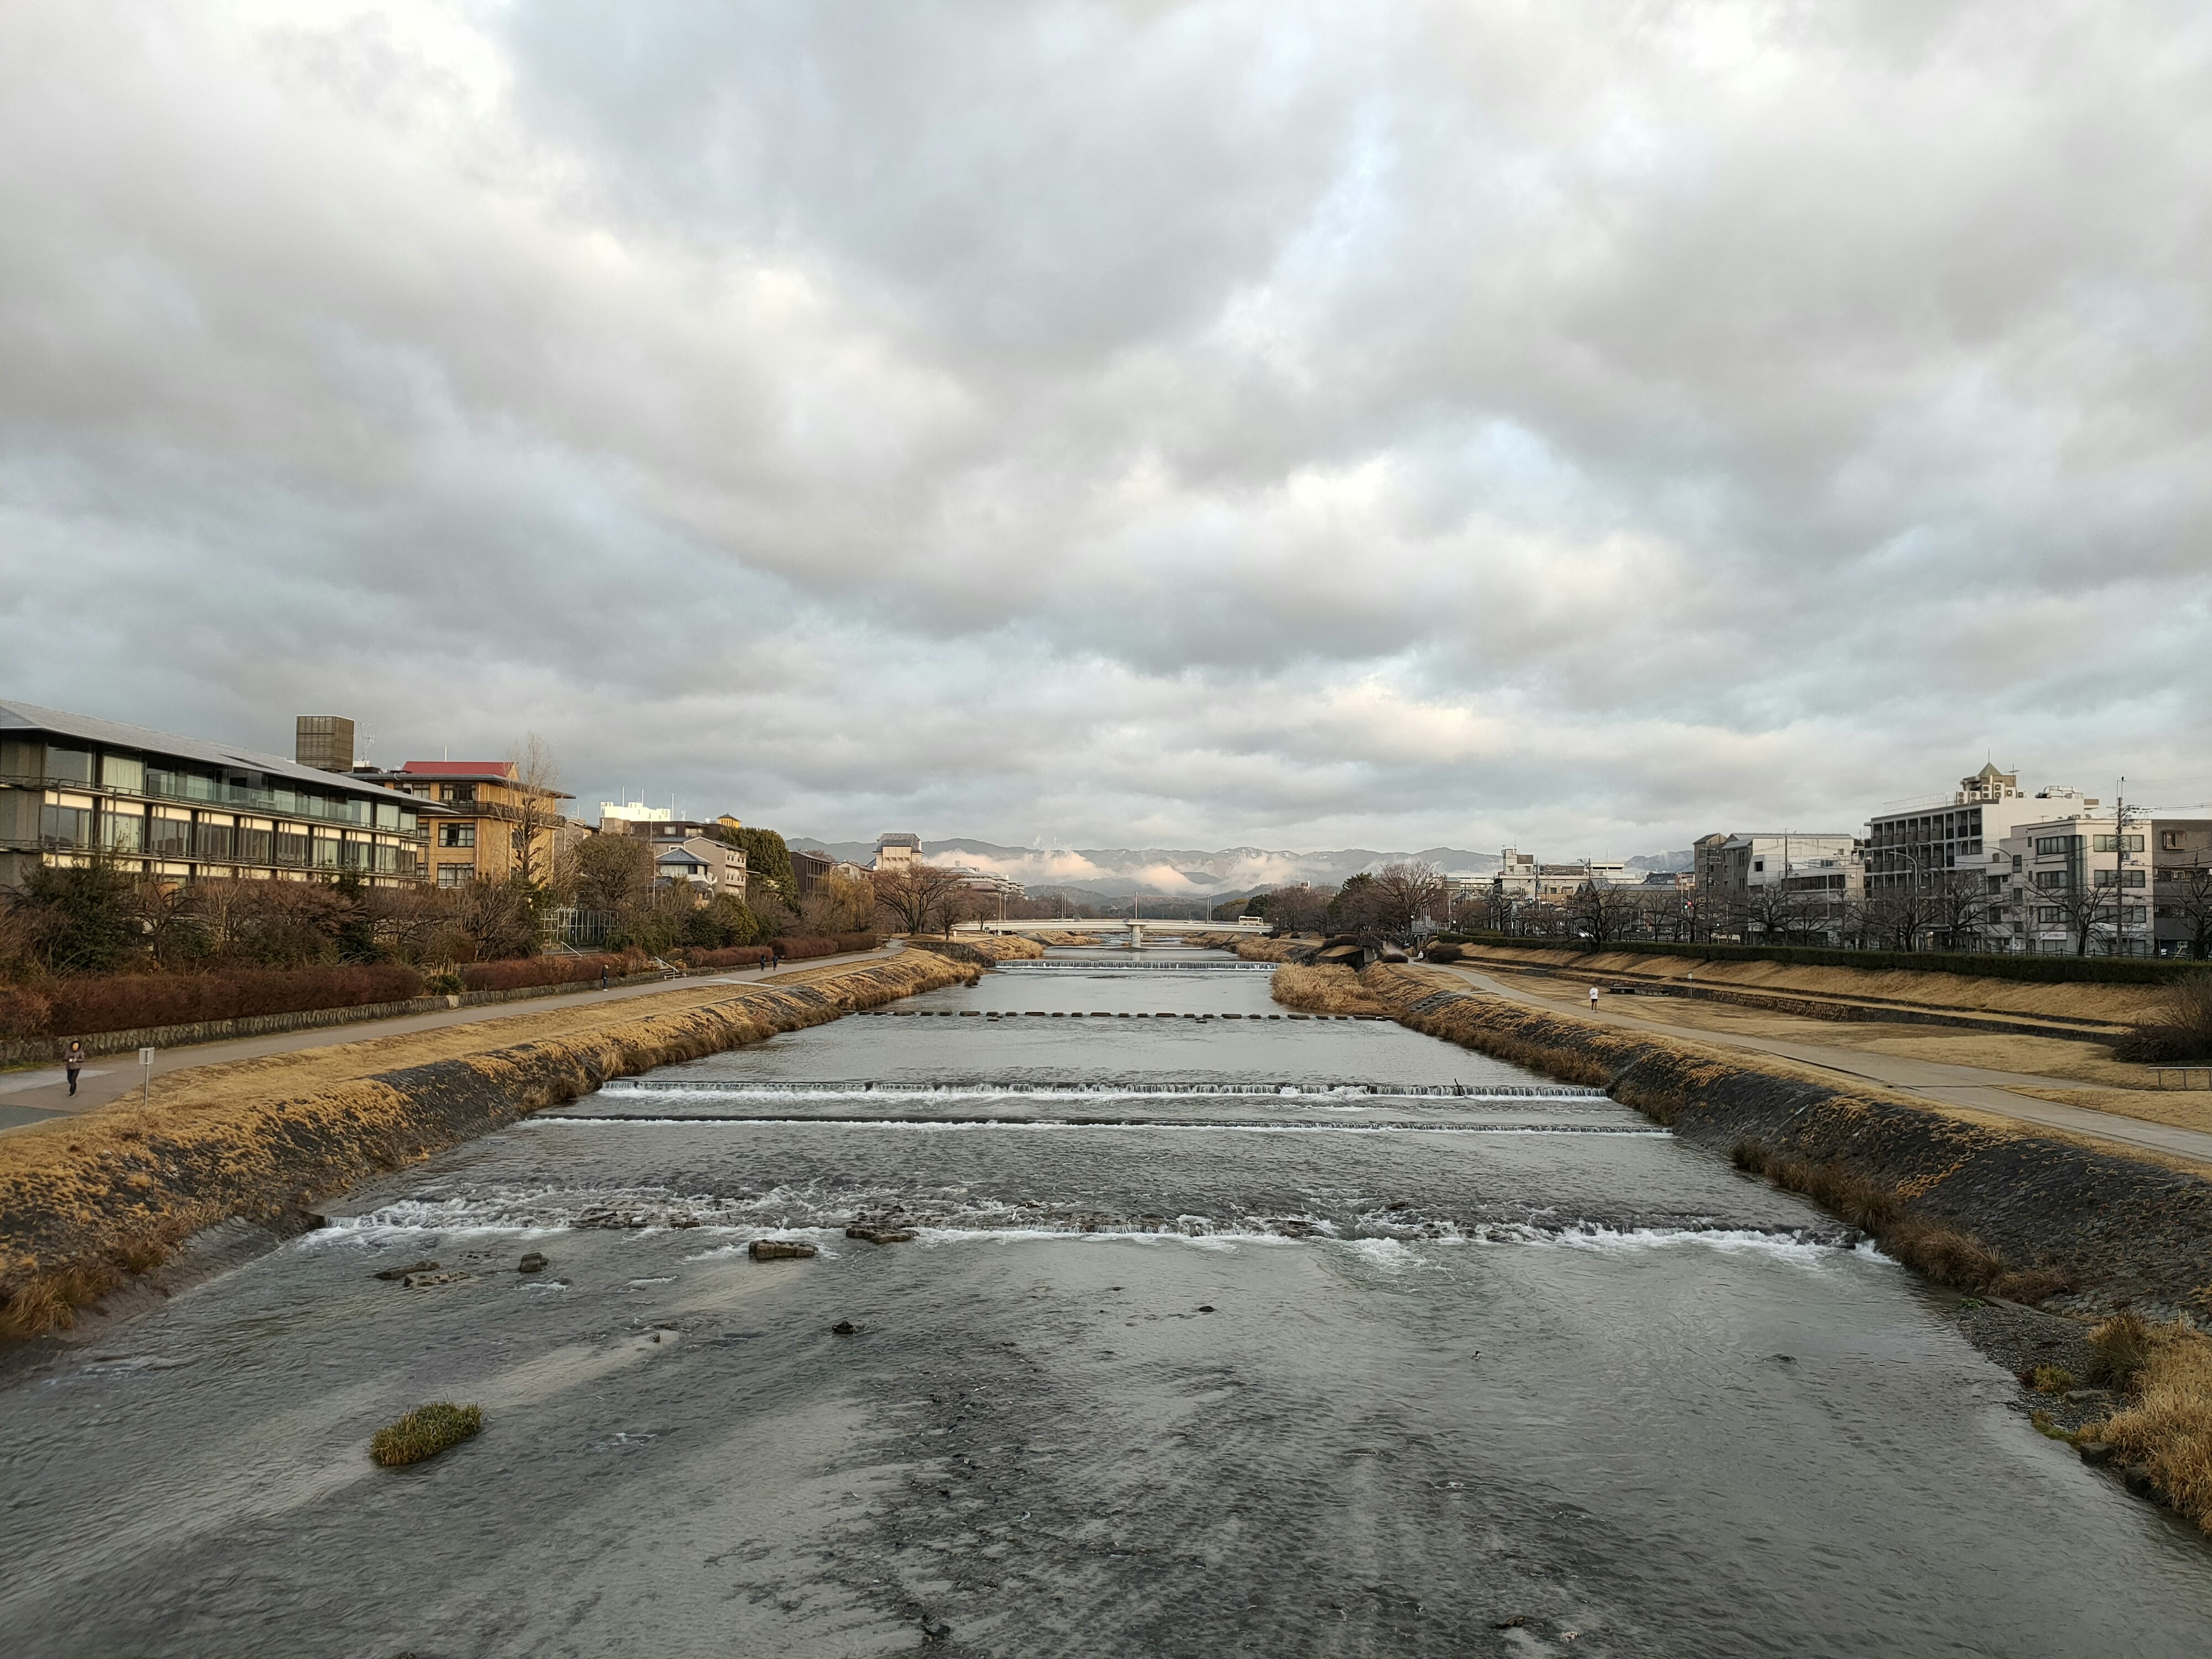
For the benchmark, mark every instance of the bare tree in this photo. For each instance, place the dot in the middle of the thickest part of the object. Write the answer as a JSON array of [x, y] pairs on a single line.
[[1404, 894], [920, 898], [531, 820], [839, 904], [2085, 908], [1601, 912], [1298, 909]]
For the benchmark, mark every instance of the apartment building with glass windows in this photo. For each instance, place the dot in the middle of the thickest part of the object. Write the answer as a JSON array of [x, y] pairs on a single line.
[[73, 788], [2085, 883]]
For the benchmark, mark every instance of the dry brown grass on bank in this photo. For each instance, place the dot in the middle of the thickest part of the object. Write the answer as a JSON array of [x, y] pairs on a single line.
[[87, 1202], [2175, 1029], [1267, 949], [2168, 1427], [1324, 991], [1936, 1250], [1063, 939], [1005, 947], [2118, 1004]]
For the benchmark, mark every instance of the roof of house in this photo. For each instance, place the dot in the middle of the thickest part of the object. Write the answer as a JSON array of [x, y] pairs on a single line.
[[470, 772], [114, 734]]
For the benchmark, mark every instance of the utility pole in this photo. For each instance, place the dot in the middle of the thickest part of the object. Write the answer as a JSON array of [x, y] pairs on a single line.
[[2120, 870]]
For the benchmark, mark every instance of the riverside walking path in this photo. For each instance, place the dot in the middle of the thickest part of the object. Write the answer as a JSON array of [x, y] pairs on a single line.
[[31, 1096], [1971, 1088]]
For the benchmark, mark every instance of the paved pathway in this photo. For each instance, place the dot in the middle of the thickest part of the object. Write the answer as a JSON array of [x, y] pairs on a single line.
[[1974, 1087], [31, 1096]]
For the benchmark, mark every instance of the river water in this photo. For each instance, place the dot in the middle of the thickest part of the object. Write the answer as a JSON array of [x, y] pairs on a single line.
[[1221, 1332]]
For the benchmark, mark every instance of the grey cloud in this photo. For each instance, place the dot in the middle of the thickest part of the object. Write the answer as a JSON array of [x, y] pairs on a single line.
[[1126, 423]]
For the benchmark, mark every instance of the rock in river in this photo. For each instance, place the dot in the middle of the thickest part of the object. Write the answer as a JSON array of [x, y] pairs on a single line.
[[778, 1249]]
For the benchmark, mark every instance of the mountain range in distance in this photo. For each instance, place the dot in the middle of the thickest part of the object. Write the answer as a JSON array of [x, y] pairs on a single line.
[[1178, 872]]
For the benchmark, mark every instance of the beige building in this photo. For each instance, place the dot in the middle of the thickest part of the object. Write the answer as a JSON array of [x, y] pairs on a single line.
[[492, 826]]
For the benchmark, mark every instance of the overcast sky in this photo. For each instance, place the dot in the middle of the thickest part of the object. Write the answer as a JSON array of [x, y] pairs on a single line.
[[1299, 425]]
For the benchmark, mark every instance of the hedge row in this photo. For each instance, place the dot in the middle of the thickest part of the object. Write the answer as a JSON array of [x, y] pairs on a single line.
[[81, 1004], [738, 956], [2078, 970], [524, 971], [799, 946]]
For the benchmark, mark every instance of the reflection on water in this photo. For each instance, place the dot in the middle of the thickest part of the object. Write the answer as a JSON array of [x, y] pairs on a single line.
[[1214, 1336]]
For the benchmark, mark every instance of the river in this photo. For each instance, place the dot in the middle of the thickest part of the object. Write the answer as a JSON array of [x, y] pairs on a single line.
[[1221, 1334]]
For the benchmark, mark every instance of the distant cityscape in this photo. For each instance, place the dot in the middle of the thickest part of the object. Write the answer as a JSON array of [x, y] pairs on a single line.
[[1996, 867]]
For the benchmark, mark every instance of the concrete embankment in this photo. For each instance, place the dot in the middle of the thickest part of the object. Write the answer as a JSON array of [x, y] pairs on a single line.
[[86, 1202], [2113, 1230]]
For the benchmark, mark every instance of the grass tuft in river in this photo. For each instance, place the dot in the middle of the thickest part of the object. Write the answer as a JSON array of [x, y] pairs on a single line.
[[2167, 1431], [424, 1432]]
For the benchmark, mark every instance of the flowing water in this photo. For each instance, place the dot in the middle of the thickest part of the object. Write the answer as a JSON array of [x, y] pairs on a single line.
[[1220, 1333]]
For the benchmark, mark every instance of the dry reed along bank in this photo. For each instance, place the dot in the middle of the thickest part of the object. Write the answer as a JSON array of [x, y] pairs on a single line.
[[1324, 991], [2032, 1217], [85, 1202]]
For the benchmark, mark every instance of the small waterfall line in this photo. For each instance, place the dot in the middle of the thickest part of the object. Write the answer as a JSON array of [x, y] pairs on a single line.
[[1048, 967], [1091, 1091]]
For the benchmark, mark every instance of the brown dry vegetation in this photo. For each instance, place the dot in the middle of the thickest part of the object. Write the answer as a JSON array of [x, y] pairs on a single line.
[[87, 1202], [2117, 1004], [1324, 991], [1268, 950], [2167, 1370], [424, 1432]]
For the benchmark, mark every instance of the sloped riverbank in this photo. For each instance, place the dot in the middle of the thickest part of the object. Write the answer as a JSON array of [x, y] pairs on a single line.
[[86, 1203], [2114, 1231]]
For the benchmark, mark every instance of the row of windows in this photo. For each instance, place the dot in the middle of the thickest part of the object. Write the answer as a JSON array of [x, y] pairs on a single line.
[[131, 834], [131, 774]]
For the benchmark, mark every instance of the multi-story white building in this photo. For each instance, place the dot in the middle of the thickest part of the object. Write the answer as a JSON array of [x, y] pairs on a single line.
[[2083, 882], [1911, 848]]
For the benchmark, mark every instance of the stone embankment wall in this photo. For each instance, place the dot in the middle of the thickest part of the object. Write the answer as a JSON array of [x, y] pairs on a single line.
[[87, 1202], [2125, 1233]]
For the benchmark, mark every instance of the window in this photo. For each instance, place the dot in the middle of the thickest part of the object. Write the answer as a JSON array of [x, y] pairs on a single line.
[[124, 772], [458, 794], [326, 853], [123, 832], [2017, 860], [2169, 841], [65, 826], [1758, 863], [168, 836], [211, 841], [2049, 913], [292, 840], [2050, 847], [2119, 844], [456, 834], [2117, 878], [387, 816], [69, 765], [455, 875], [256, 846], [2131, 915], [2054, 880]]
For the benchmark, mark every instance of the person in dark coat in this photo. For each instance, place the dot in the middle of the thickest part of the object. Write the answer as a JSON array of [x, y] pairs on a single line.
[[73, 1060]]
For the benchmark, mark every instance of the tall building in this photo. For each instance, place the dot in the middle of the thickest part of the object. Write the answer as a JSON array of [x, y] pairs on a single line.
[[2083, 883], [324, 742], [1910, 848], [73, 787]]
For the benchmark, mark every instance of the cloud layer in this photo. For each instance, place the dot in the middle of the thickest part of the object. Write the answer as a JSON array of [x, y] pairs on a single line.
[[1128, 424]]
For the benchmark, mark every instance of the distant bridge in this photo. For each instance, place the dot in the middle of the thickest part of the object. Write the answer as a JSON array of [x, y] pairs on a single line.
[[1134, 927]]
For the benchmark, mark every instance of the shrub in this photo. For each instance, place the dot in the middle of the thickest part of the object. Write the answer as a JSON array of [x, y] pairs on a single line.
[[2050, 1379], [2178, 1030], [799, 947], [124, 1002], [424, 1432], [1323, 991], [445, 985], [1444, 952], [545, 970], [738, 956]]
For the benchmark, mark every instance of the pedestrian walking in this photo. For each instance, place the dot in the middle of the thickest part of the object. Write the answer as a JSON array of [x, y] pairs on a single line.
[[74, 1061], [603, 976], [1593, 998]]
